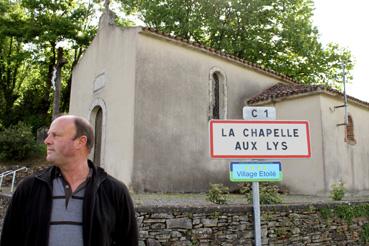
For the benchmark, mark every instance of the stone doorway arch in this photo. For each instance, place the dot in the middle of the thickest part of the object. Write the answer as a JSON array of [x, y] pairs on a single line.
[[98, 121], [98, 136]]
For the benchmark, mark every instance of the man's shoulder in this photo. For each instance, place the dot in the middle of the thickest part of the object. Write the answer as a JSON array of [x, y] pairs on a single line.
[[111, 183], [110, 180], [38, 175]]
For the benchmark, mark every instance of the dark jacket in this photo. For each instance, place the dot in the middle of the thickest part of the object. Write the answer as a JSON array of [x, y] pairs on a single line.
[[108, 213]]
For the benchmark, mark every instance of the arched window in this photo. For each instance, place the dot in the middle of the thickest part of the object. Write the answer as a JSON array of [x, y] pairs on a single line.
[[350, 137], [218, 95]]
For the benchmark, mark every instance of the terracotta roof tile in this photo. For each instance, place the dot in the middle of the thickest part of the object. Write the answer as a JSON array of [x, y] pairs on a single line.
[[281, 91]]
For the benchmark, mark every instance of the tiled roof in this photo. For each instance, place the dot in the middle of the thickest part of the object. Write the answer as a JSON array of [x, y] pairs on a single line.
[[219, 53], [282, 91]]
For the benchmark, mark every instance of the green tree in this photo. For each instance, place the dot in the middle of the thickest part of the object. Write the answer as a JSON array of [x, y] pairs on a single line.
[[13, 69], [276, 34], [57, 22], [31, 32]]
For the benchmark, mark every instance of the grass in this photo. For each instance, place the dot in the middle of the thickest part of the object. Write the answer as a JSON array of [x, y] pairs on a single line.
[[233, 199]]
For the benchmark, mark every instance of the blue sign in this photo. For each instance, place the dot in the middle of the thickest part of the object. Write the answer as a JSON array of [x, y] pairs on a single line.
[[255, 171]]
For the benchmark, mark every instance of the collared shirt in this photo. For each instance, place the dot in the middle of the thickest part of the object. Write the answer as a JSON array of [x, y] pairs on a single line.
[[66, 214]]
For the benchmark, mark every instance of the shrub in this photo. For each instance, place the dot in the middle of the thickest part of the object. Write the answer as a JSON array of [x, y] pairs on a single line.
[[338, 191], [18, 143], [217, 194], [268, 194], [365, 233], [246, 187]]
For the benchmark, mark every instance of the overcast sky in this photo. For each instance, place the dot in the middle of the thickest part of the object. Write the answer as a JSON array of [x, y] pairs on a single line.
[[346, 22]]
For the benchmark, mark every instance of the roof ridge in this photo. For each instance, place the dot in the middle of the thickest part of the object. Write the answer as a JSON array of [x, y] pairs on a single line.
[[280, 90], [221, 53]]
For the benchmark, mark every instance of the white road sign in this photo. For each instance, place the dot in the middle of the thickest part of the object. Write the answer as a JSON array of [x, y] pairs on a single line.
[[256, 139], [259, 113]]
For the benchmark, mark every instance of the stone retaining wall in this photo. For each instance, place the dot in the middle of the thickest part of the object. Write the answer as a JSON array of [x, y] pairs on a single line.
[[314, 224], [233, 225]]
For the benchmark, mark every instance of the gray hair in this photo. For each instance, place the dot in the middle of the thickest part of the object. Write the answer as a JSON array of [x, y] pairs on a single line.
[[84, 128]]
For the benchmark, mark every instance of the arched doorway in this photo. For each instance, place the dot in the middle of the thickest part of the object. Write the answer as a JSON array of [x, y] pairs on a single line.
[[98, 135], [98, 116]]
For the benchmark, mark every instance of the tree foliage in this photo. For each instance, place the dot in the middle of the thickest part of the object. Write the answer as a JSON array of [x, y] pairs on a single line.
[[12, 56], [30, 33], [277, 34]]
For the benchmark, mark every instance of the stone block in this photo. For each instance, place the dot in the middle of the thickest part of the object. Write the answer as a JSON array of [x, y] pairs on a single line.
[[202, 233], [154, 221], [231, 236], [143, 234], [180, 223], [196, 221], [209, 222], [158, 226], [295, 230], [175, 234], [152, 242], [161, 216]]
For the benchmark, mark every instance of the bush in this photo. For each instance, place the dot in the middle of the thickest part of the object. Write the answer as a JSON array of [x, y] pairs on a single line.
[[268, 194], [365, 233], [217, 194], [18, 143], [246, 187], [338, 191]]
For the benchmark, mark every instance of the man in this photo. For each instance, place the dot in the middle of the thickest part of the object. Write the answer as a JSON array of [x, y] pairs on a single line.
[[72, 203]]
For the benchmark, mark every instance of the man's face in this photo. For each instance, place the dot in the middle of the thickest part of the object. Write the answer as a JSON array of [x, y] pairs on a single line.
[[60, 141]]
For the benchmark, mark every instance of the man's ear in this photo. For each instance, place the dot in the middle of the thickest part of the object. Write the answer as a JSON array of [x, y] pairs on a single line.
[[82, 141]]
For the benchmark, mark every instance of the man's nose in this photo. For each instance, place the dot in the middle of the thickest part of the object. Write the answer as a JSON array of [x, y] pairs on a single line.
[[47, 140]]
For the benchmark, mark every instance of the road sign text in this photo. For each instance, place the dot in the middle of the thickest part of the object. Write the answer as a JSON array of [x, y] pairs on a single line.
[[259, 139]]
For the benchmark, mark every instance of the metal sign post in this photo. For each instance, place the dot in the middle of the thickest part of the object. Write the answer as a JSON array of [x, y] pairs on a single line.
[[255, 171], [256, 205], [250, 113]]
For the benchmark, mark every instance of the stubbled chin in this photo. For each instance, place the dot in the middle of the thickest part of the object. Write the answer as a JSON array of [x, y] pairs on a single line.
[[48, 158]]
